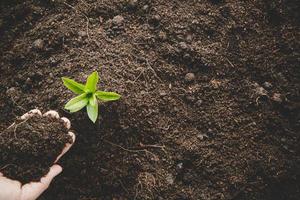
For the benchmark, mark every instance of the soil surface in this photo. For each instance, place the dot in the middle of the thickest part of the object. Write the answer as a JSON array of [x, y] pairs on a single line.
[[29, 147], [210, 94]]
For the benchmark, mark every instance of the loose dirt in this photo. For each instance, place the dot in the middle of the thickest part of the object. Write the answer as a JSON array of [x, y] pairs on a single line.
[[29, 147], [210, 94]]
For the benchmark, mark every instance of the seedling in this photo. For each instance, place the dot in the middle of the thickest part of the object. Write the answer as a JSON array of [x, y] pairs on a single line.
[[88, 96]]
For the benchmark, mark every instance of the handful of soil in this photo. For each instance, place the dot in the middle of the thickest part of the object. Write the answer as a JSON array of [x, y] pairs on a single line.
[[29, 148]]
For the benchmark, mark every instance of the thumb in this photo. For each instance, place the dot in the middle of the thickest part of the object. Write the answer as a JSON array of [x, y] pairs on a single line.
[[33, 190], [9, 189], [54, 171]]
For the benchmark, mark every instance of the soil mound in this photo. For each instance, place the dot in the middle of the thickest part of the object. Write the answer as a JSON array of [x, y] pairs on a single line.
[[29, 147]]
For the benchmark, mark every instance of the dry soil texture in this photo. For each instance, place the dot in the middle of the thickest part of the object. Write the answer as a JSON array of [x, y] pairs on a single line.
[[210, 94]]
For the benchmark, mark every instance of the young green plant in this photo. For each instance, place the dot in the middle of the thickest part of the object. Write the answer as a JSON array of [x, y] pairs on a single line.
[[88, 96]]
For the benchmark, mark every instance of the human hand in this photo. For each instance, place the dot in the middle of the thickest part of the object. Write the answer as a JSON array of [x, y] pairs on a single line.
[[14, 190]]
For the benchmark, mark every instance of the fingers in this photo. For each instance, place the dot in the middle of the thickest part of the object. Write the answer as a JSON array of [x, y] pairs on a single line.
[[34, 189], [54, 171], [31, 113], [52, 113], [67, 147], [66, 122]]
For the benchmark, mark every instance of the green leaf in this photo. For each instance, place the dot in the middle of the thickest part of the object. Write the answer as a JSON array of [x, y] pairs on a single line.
[[92, 111], [91, 82], [77, 103], [93, 100], [72, 85], [107, 96]]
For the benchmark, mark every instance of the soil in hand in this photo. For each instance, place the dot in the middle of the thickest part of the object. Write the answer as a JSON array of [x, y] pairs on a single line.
[[29, 148]]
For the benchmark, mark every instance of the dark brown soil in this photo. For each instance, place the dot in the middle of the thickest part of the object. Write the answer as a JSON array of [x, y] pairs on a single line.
[[29, 148], [229, 131]]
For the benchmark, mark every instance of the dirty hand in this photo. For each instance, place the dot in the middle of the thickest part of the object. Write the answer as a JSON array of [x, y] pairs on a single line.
[[14, 190]]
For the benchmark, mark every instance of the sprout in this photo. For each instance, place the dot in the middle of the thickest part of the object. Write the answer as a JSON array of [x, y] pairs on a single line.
[[88, 96]]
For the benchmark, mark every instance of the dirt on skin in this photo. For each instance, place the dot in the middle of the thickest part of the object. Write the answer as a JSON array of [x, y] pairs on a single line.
[[29, 147], [210, 94]]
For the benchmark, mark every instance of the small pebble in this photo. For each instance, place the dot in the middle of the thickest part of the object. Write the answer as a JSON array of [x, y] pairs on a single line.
[[267, 85], [132, 4], [118, 20], [52, 61], [277, 98], [202, 136], [143, 92], [145, 8], [179, 165], [11, 91], [183, 45], [156, 17], [189, 77], [162, 93], [199, 102], [260, 90], [189, 38], [155, 20], [82, 33], [38, 44], [38, 74], [170, 179], [162, 35], [186, 56], [28, 81]]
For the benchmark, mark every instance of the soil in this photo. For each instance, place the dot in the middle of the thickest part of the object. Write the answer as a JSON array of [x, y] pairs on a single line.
[[29, 148], [210, 94]]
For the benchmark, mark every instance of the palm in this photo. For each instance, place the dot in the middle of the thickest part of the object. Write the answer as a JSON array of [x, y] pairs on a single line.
[[13, 190]]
